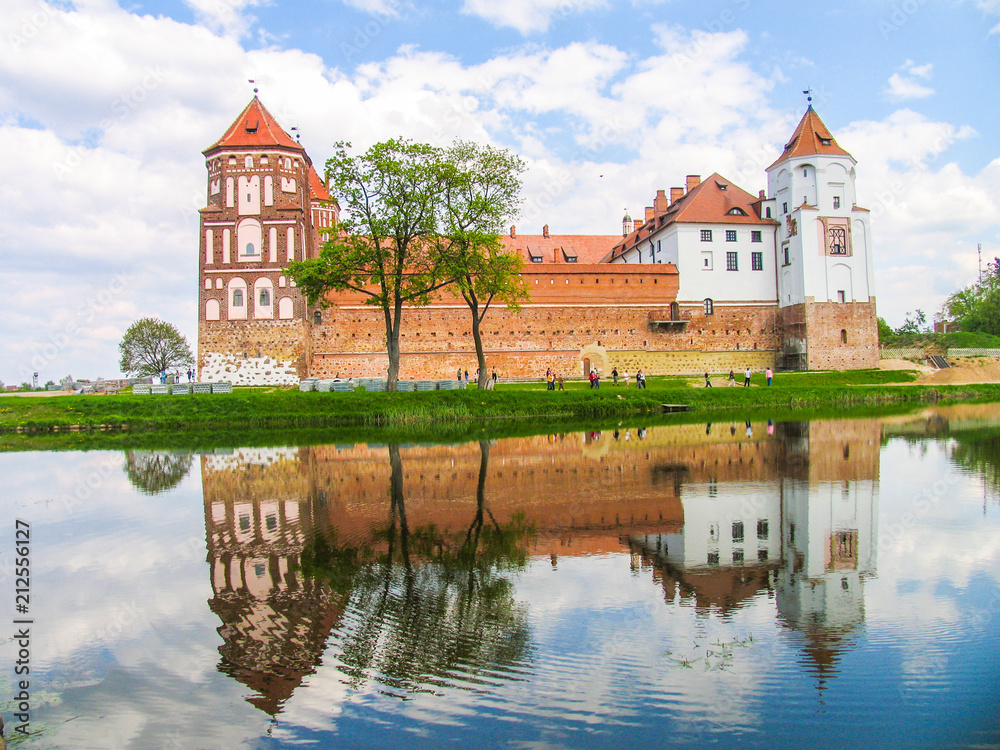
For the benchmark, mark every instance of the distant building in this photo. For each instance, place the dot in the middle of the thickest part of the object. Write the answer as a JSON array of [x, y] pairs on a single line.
[[711, 279]]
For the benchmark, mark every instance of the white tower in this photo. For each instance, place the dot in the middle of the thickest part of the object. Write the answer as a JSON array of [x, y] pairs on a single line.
[[824, 258]]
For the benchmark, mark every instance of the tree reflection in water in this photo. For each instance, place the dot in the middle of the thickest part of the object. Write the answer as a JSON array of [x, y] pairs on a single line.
[[429, 607], [151, 472]]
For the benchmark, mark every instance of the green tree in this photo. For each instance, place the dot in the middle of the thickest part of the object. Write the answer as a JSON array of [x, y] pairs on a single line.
[[387, 245], [884, 330], [977, 307], [150, 346], [481, 195], [915, 322]]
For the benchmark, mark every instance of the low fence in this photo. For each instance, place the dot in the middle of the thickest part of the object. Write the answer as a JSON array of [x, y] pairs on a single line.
[[915, 353]]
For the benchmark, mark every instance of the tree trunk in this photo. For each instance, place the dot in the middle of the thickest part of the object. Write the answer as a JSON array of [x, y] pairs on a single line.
[[392, 347], [477, 337]]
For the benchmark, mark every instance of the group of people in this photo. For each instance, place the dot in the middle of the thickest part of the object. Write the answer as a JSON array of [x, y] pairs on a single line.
[[165, 375], [465, 373], [551, 379], [747, 374], [640, 378]]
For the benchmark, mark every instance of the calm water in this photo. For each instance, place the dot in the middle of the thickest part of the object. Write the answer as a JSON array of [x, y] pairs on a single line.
[[825, 584]]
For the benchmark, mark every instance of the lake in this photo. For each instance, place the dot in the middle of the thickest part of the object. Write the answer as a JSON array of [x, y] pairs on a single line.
[[823, 584]]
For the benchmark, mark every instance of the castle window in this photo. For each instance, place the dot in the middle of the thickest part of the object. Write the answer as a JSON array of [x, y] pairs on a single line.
[[732, 263], [318, 318], [843, 336], [737, 531], [237, 298], [757, 261], [836, 201], [838, 240], [755, 236], [250, 249], [709, 307], [767, 212], [706, 235], [762, 529], [265, 298], [841, 296], [288, 163], [706, 261], [248, 161], [785, 260], [730, 235]]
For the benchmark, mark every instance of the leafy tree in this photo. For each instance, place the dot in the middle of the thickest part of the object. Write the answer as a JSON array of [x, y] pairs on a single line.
[[387, 245], [481, 195], [884, 330], [977, 307], [915, 322], [150, 346]]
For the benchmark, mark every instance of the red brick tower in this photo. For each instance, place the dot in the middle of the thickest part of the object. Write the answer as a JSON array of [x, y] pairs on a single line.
[[266, 204]]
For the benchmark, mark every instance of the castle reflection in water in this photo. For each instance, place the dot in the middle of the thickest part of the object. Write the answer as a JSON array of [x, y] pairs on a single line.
[[717, 514]]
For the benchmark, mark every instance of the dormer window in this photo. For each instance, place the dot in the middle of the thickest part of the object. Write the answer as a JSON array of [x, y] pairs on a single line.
[[569, 255], [826, 141], [535, 258], [736, 212], [251, 127], [721, 185]]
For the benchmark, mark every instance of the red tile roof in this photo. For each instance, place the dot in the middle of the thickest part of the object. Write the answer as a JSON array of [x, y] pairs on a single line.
[[709, 202], [255, 127], [317, 189], [557, 248], [810, 137]]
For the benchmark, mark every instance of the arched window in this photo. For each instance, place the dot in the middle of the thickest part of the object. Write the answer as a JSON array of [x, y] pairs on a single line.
[[675, 311], [248, 162], [285, 309], [843, 336], [709, 307], [237, 293], [251, 250], [212, 309], [237, 298], [265, 297], [317, 318]]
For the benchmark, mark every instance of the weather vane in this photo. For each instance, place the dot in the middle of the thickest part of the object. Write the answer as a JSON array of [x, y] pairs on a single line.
[[298, 137], [809, 96], [251, 80]]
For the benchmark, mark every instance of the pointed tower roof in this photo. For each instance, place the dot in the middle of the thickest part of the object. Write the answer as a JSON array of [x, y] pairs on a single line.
[[810, 137], [254, 127], [317, 188]]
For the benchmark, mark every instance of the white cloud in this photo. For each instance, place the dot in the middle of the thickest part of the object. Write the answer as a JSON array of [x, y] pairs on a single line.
[[902, 88], [527, 16], [229, 17], [389, 8]]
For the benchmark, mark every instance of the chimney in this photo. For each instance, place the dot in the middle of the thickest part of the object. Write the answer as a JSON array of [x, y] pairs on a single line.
[[555, 255], [545, 231], [676, 193], [513, 232], [660, 203], [650, 214], [638, 223], [760, 195], [693, 181]]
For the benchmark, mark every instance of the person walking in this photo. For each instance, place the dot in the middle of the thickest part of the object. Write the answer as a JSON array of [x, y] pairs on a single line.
[[494, 376], [614, 376], [746, 378], [625, 378], [708, 383], [769, 374], [597, 380], [561, 388], [732, 378], [550, 381]]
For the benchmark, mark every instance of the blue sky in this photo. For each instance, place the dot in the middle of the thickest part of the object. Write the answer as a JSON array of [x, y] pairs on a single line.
[[106, 106]]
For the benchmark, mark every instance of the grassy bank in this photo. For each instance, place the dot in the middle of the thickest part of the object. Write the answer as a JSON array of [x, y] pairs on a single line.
[[520, 407]]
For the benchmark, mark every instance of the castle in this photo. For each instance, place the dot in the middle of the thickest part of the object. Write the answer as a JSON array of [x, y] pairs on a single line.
[[711, 278]]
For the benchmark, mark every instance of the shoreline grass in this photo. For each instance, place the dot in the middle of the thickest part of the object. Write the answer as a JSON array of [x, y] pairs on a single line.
[[127, 419]]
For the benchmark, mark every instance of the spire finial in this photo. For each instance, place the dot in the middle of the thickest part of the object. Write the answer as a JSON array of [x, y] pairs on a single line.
[[809, 97], [298, 138], [251, 80]]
